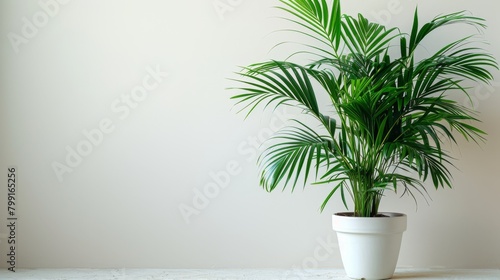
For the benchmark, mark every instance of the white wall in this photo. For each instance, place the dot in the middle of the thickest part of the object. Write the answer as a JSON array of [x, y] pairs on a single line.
[[119, 205]]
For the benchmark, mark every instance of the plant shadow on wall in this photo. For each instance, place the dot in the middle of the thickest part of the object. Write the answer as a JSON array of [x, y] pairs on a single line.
[[392, 112]]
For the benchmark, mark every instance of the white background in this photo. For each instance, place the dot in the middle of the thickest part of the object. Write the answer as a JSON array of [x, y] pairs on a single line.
[[120, 204]]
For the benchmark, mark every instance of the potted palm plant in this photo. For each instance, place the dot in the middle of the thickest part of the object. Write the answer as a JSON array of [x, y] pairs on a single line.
[[390, 112]]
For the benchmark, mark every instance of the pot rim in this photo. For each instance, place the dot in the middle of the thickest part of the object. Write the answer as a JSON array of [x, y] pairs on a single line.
[[384, 215], [393, 223]]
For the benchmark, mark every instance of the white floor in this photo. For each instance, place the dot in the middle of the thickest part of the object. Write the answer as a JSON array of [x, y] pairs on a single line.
[[234, 274]]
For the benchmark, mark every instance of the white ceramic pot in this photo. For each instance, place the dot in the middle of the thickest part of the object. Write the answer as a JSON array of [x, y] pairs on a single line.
[[369, 246]]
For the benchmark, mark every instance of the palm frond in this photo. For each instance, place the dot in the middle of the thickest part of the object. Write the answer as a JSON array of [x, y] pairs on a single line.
[[278, 84], [316, 16], [298, 151]]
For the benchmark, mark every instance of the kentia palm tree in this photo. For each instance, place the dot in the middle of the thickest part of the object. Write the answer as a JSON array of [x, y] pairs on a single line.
[[392, 114]]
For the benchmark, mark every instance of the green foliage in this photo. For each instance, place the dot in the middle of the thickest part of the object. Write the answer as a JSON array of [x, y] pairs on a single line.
[[392, 113]]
